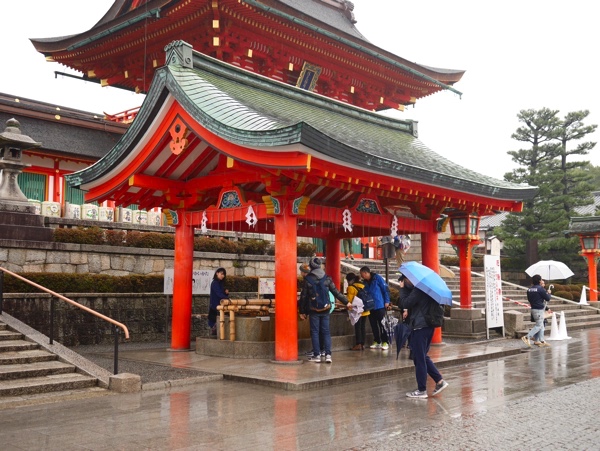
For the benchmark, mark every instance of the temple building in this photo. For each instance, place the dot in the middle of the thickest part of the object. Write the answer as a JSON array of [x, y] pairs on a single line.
[[261, 115]]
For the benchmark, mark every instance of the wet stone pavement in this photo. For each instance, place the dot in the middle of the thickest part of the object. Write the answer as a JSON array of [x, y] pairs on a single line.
[[546, 399]]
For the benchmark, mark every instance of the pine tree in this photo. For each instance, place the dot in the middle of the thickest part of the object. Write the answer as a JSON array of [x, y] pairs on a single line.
[[563, 184]]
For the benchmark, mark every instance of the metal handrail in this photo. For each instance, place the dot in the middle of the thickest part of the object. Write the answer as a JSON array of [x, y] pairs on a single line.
[[114, 323]]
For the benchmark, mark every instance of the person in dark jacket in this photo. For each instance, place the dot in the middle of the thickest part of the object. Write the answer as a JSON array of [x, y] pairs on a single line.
[[377, 288], [319, 320], [417, 303], [217, 292], [537, 297]]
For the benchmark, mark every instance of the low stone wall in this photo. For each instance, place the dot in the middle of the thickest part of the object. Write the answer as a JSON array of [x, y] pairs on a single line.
[[37, 256], [145, 316]]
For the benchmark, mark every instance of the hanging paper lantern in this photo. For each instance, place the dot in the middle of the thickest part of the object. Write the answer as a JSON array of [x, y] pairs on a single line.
[[347, 220], [394, 228], [251, 218], [203, 223]]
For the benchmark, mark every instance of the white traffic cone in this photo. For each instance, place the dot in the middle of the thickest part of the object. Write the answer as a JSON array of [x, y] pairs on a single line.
[[583, 298], [562, 328], [554, 334]]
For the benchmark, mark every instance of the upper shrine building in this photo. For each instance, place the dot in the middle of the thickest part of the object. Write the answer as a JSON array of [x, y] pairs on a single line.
[[312, 44]]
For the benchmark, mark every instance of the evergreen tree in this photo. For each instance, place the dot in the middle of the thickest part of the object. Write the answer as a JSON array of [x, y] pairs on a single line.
[[576, 184], [563, 185]]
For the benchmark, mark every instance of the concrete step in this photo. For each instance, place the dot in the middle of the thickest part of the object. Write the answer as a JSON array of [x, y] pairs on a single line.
[[10, 402], [6, 335], [44, 384], [17, 345], [27, 356], [35, 369]]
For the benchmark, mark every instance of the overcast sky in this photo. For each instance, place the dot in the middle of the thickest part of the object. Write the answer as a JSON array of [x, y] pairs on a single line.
[[517, 55]]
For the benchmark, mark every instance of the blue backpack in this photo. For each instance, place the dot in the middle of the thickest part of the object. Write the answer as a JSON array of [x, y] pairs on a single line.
[[319, 296], [365, 296]]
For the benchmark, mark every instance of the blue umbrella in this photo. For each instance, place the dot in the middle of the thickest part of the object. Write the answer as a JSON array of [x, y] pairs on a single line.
[[428, 281]]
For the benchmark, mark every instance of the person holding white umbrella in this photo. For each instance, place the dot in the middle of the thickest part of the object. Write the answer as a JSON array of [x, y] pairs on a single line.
[[537, 297]]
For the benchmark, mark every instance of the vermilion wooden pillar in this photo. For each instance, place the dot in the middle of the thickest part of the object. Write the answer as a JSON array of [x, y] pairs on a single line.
[[431, 258], [182, 283], [592, 276], [333, 260], [286, 303], [464, 261]]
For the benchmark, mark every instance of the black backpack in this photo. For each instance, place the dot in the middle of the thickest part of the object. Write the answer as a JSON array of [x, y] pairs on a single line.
[[365, 296], [434, 314], [319, 296]]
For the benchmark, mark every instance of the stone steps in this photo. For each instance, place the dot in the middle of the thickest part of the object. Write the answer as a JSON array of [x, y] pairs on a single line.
[[44, 384], [27, 371]]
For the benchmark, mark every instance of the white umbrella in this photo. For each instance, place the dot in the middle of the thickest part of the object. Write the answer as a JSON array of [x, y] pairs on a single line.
[[549, 270]]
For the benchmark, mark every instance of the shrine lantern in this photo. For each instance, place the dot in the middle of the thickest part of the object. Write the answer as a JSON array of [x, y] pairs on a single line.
[[588, 230], [464, 236]]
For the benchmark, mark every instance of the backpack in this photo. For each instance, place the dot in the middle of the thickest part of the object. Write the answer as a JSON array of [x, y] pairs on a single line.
[[434, 314], [366, 298], [319, 297]]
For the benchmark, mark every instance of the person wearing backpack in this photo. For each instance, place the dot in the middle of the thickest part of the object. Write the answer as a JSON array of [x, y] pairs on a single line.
[[355, 286], [315, 305], [378, 290], [421, 305]]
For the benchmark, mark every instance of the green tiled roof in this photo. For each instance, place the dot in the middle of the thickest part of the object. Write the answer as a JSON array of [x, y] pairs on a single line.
[[254, 111], [251, 110]]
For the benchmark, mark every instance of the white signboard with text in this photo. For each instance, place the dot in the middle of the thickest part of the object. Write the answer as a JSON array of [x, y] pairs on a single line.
[[201, 280], [494, 312], [266, 285]]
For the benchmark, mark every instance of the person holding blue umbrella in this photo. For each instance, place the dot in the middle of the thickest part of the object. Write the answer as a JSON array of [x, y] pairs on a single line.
[[417, 290]]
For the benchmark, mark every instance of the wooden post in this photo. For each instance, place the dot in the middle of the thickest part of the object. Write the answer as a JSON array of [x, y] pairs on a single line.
[[592, 276], [430, 258], [333, 260], [222, 325], [182, 283], [231, 325], [286, 287]]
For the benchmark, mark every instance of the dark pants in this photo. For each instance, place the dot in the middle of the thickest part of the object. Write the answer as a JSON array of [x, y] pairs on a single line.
[[419, 342], [379, 333], [359, 330], [212, 317], [319, 327]]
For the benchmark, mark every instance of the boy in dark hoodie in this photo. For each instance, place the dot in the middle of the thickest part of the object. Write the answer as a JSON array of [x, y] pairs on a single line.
[[319, 320]]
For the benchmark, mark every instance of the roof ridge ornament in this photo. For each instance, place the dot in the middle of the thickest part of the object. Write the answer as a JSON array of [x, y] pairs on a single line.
[[179, 53]]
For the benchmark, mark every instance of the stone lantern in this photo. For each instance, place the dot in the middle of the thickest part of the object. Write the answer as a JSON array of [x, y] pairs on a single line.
[[18, 220], [12, 143]]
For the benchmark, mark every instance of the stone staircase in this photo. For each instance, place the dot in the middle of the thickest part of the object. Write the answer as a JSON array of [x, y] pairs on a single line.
[[576, 316], [28, 371]]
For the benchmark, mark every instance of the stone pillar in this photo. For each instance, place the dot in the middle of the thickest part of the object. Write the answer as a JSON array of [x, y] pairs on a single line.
[[286, 287], [182, 283]]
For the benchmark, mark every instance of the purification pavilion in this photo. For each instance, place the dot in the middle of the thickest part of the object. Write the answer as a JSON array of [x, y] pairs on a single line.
[[261, 116], [224, 148]]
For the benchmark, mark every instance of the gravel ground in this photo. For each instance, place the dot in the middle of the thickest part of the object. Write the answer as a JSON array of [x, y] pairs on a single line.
[[102, 355]]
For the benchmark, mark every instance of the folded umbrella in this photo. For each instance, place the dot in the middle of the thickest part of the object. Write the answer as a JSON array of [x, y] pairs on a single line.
[[401, 333], [428, 281]]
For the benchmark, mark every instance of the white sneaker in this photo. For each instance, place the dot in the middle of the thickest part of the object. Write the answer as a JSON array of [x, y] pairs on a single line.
[[385, 346], [375, 345], [439, 387], [327, 358], [417, 394]]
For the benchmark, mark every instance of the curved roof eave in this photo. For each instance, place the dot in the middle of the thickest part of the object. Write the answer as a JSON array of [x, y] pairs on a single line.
[[219, 96], [339, 131]]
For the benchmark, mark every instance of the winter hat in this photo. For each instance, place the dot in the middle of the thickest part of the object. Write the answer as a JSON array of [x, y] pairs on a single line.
[[304, 268], [315, 263]]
